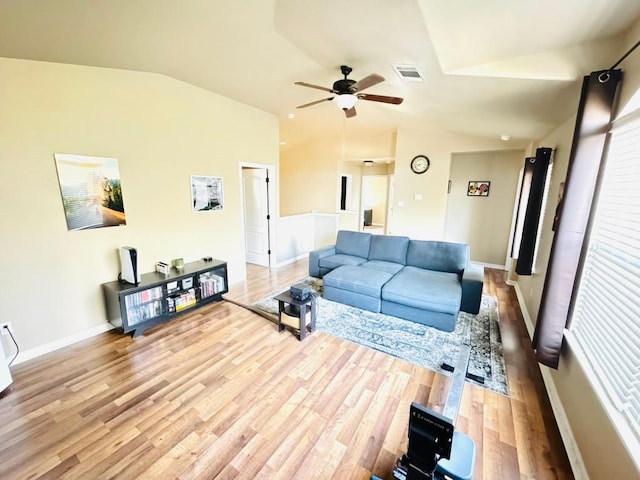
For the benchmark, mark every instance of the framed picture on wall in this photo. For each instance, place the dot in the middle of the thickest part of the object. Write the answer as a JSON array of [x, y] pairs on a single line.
[[206, 193], [91, 191], [478, 188]]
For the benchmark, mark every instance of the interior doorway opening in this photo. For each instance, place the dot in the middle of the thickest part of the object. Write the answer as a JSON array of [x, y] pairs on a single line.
[[374, 201]]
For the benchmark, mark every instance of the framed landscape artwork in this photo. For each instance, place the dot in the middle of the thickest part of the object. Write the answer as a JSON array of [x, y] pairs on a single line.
[[206, 193], [91, 191], [478, 188]]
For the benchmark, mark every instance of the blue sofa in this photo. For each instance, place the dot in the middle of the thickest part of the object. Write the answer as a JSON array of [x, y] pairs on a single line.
[[423, 281]]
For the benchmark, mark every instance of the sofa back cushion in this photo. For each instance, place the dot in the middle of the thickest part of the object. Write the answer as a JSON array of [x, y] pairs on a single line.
[[440, 256], [353, 243], [389, 248]]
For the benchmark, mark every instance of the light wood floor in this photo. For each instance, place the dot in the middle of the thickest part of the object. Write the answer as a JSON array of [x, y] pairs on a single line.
[[219, 393]]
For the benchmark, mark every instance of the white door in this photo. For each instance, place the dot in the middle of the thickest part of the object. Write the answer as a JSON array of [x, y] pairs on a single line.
[[256, 215], [5, 375]]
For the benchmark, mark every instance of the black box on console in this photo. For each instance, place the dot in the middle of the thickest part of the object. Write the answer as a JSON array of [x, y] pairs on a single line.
[[300, 291]]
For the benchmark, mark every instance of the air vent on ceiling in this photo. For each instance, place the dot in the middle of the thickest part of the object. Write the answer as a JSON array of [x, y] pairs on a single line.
[[409, 73]]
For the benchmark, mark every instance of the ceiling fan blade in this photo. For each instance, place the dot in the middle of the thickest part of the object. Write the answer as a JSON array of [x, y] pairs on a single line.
[[317, 87], [367, 82], [315, 103], [351, 112], [381, 98]]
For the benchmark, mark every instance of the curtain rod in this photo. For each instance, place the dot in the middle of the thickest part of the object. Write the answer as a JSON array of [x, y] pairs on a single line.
[[625, 55]]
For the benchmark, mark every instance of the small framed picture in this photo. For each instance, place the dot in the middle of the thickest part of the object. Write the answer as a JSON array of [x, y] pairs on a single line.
[[206, 193], [478, 188]]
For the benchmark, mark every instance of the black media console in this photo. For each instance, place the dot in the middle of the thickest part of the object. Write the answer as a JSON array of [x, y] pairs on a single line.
[[159, 298]]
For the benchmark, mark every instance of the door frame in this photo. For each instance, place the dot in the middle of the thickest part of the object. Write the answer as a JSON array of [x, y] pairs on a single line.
[[273, 208]]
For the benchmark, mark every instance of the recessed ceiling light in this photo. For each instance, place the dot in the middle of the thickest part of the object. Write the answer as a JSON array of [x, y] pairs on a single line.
[[291, 115], [283, 143], [505, 138]]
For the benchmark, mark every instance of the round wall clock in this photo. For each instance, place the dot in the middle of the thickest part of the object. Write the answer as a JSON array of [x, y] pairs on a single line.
[[420, 164]]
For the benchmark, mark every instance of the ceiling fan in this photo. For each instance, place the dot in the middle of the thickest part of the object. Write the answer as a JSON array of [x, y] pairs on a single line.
[[347, 92]]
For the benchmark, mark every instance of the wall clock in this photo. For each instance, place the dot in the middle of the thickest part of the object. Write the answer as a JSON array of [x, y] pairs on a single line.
[[420, 164]]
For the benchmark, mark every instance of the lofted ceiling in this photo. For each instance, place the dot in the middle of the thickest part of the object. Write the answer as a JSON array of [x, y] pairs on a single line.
[[491, 68]]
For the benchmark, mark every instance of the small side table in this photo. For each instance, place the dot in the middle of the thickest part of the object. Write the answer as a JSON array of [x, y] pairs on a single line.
[[296, 308]]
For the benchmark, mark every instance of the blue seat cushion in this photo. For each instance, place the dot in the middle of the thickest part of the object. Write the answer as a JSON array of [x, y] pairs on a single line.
[[425, 289], [383, 266], [334, 261], [357, 279]]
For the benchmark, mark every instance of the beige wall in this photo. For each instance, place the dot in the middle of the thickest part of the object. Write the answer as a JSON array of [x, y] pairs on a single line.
[[309, 177], [601, 448], [309, 172], [161, 131], [483, 222], [425, 218]]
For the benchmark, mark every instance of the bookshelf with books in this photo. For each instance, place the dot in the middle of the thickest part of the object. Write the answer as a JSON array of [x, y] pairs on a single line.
[[159, 298]]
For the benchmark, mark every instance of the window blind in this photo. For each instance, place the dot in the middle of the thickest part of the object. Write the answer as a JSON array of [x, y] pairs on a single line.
[[606, 313]]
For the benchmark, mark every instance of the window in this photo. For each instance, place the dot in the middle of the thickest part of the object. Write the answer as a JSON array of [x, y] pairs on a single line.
[[605, 323]]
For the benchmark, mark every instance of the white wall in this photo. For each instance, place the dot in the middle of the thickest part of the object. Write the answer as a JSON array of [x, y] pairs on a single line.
[[161, 131]]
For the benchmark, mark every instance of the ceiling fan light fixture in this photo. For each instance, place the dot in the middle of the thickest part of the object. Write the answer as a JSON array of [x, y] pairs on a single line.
[[346, 101]]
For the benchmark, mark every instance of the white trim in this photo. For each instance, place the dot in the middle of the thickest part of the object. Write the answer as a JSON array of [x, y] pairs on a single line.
[[569, 441], [289, 261], [491, 265], [625, 119], [62, 342], [274, 207], [570, 444]]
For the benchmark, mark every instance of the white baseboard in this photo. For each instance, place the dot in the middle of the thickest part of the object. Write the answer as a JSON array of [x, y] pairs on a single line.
[[569, 441], [289, 261], [492, 265], [62, 342]]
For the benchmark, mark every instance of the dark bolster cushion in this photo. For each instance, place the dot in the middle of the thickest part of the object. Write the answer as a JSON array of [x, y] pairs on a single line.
[[424, 289], [353, 243], [389, 248], [438, 256]]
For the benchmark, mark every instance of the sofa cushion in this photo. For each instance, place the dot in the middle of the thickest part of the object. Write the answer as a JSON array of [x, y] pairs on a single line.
[[334, 261], [389, 248], [425, 289], [357, 279], [439, 256], [353, 243], [382, 266]]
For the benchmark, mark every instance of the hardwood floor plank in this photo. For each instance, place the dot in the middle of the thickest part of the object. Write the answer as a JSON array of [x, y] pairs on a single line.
[[219, 393]]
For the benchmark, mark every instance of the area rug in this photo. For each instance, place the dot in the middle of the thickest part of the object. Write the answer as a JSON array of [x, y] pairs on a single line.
[[424, 346]]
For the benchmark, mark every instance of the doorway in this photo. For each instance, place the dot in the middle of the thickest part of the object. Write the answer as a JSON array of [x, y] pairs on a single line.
[[374, 203], [257, 196]]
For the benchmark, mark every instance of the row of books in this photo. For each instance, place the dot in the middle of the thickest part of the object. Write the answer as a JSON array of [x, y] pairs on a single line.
[[140, 313], [210, 284], [143, 296], [180, 302]]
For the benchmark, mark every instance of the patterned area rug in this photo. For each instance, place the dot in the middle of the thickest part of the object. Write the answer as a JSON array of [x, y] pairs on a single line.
[[413, 342]]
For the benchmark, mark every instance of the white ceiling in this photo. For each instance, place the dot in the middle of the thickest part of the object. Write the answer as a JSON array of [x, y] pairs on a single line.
[[492, 67]]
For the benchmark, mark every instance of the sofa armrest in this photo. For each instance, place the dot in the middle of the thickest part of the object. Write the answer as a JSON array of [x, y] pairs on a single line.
[[314, 259], [472, 283]]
